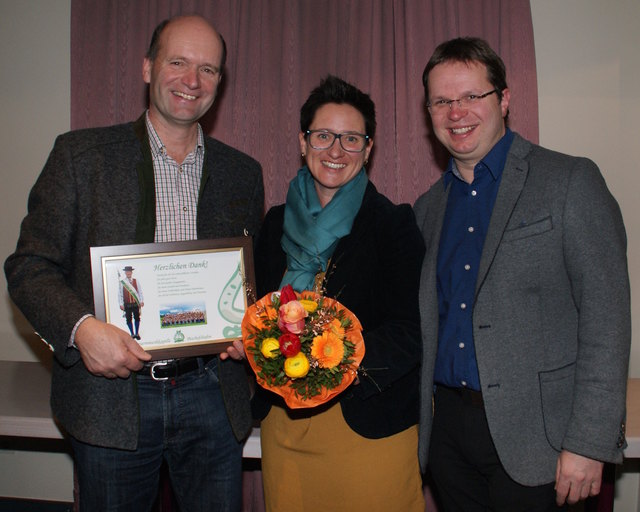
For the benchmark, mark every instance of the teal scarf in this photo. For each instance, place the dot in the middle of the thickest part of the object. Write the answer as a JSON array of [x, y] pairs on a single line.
[[310, 232]]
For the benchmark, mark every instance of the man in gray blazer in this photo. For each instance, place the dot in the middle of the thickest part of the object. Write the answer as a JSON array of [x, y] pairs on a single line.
[[155, 180], [525, 305]]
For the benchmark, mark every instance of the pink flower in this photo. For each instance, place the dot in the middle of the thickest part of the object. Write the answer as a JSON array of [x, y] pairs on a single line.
[[291, 317]]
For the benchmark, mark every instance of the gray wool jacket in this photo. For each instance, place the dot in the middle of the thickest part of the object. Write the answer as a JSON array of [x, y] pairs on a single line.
[[551, 313]]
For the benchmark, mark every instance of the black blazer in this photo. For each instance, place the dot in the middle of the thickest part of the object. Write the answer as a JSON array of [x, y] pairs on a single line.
[[375, 272]]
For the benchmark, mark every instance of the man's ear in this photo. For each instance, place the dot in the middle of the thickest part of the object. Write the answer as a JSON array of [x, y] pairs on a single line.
[[147, 64]]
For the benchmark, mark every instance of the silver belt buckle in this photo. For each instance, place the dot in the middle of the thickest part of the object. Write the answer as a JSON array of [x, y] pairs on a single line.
[[153, 368]]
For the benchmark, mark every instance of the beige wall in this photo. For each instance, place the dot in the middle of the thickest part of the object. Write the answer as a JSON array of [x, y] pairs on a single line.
[[588, 76], [589, 102], [34, 101]]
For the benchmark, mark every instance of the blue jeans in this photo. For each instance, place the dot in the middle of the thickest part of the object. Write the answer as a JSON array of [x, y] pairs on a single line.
[[182, 421]]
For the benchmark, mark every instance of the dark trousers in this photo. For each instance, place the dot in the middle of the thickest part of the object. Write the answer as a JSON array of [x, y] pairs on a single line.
[[465, 466], [131, 309]]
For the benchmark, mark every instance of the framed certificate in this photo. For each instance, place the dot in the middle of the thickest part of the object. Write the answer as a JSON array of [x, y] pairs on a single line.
[[177, 299]]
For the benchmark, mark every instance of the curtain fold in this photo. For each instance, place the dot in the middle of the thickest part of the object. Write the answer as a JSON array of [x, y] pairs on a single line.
[[278, 50]]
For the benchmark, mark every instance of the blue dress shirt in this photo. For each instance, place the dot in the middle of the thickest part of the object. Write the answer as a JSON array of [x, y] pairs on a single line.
[[464, 229]]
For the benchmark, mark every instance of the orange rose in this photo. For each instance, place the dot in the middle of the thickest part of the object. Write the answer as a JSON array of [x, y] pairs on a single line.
[[291, 317]]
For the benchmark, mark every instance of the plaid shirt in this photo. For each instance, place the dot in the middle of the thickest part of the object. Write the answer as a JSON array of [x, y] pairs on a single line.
[[177, 187]]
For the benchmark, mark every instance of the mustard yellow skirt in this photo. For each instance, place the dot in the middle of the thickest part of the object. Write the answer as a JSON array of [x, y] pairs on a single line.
[[319, 464]]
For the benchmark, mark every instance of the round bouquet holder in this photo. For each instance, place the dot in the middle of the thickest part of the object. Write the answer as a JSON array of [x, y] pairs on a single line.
[[325, 319]]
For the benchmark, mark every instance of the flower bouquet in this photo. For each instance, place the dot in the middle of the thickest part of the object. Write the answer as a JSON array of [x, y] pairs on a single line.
[[304, 347]]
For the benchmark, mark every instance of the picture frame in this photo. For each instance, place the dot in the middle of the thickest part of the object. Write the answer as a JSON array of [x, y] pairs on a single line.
[[177, 299]]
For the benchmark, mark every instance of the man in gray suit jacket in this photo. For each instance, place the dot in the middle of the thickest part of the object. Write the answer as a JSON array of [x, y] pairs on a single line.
[[525, 305], [158, 179]]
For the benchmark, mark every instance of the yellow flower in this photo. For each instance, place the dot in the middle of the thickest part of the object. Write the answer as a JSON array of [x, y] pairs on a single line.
[[309, 305], [270, 348], [296, 366], [328, 349]]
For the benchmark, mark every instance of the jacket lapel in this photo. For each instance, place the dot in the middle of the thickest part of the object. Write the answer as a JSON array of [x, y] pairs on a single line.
[[207, 168], [435, 218], [514, 177], [431, 229], [146, 221]]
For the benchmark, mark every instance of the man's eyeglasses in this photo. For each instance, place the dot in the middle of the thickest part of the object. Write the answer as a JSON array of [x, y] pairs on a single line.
[[324, 139], [441, 106]]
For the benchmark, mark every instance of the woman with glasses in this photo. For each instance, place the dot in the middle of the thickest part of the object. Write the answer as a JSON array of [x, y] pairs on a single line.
[[337, 235]]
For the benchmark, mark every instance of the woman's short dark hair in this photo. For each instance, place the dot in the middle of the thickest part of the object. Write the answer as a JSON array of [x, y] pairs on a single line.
[[468, 50], [154, 46], [335, 90]]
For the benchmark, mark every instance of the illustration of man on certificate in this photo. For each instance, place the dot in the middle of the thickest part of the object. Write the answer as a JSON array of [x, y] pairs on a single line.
[[131, 300]]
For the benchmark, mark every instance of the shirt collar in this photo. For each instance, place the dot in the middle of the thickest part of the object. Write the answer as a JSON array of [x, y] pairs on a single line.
[[157, 146], [494, 160]]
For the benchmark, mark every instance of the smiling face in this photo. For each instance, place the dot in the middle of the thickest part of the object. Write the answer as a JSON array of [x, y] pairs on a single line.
[[184, 77], [468, 133], [334, 167]]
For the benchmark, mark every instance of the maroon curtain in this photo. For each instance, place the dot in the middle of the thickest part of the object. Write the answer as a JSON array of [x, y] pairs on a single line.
[[280, 49]]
